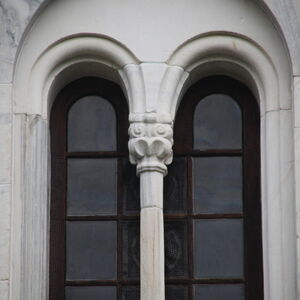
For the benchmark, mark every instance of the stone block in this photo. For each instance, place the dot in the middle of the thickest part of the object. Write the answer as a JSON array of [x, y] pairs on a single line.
[[297, 101], [4, 231], [4, 290], [5, 133]]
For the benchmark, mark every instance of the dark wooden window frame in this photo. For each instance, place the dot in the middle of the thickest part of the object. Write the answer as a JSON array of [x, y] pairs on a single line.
[[250, 153], [59, 155], [183, 148]]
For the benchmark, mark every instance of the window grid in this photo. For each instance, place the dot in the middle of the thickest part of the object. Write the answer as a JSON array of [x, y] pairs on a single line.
[[249, 153], [59, 218]]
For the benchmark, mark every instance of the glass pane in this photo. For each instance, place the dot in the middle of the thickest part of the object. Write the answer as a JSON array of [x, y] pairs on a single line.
[[91, 250], [176, 259], [217, 123], [131, 293], [131, 189], [90, 293], [175, 187], [131, 249], [219, 292], [176, 292], [91, 125], [89, 192], [218, 185], [218, 248]]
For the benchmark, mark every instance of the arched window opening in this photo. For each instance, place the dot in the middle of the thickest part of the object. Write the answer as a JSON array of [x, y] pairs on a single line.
[[212, 195], [94, 239]]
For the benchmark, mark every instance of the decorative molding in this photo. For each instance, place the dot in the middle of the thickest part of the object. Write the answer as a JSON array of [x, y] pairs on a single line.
[[150, 144], [267, 76], [92, 52]]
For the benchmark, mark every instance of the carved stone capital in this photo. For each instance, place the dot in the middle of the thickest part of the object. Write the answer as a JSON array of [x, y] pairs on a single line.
[[150, 143]]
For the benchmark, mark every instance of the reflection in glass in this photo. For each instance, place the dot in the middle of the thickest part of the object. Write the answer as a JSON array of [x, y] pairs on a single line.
[[176, 292], [92, 186], [91, 125], [218, 185], [131, 189], [175, 187], [219, 292], [131, 293], [90, 293], [176, 260], [217, 123], [218, 248], [91, 250], [131, 249]]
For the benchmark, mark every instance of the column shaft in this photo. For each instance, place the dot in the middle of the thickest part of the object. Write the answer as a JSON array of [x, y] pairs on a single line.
[[152, 236]]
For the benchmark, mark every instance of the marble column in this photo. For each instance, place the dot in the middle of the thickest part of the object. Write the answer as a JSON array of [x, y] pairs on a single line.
[[150, 147]]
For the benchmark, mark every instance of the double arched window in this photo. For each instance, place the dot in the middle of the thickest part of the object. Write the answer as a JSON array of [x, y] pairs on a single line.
[[211, 196]]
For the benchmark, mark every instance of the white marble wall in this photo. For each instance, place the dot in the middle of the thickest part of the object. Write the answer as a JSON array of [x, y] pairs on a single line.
[[287, 14], [15, 15], [5, 184], [297, 163]]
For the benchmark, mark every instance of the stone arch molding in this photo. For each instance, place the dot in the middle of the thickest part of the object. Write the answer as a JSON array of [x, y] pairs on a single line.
[[35, 86], [269, 78], [233, 55], [153, 91], [63, 61]]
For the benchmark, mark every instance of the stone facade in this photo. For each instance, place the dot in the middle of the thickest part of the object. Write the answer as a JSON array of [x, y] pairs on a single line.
[[140, 46]]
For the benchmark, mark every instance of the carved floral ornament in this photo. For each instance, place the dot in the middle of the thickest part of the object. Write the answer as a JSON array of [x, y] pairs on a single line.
[[150, 142]]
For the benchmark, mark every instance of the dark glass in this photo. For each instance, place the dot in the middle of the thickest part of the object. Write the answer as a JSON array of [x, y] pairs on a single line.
[[218, 248], [131, 249], [217, 185], [176, 292], [131, 189], [219, 292], [175, 187], [91, 250], [91, 125], [90, 293], [176, 259], [131, 293], [92, 186], [217, 123]]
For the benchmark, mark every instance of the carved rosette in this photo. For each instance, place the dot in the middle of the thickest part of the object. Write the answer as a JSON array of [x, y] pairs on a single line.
[[150, 144]]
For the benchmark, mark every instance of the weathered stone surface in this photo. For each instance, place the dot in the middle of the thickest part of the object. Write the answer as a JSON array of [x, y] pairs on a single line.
[[4, 290], [5, 133], [286, 15], [4, 232], [14, 17]]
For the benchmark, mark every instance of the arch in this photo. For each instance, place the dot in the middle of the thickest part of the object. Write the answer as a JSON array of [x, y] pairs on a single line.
[[36, 86], [60, 63], [269, 78], [234, 55]]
